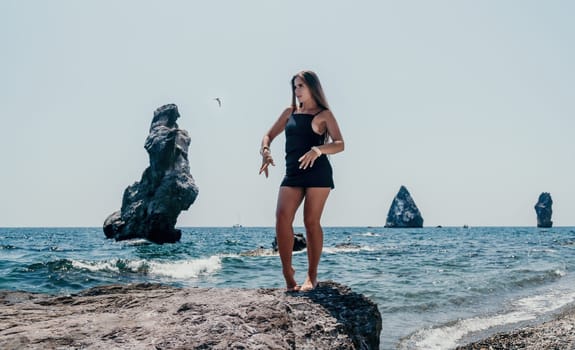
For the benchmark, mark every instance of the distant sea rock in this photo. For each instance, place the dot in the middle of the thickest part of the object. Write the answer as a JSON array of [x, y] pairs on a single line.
[[151, 316], [150, 207], [544, 210], [403, 211]]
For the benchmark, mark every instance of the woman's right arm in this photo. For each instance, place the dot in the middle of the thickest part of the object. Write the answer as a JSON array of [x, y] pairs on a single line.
[[274, 131]]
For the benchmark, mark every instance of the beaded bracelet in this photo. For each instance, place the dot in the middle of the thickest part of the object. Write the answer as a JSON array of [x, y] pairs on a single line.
[[264, 149]]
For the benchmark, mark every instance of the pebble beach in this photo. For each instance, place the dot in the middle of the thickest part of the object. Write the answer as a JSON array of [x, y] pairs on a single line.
[[557, 334]]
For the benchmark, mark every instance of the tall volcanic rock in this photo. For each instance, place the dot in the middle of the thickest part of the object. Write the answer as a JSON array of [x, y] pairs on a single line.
[[544, 210], [150, 207], [403, 211]]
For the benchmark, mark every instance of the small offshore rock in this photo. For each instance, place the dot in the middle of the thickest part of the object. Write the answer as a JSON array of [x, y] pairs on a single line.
[[543, 209], [299, 242], [403, 212]]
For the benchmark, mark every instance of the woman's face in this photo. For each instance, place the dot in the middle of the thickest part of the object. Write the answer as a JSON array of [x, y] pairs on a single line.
[[301, 90]]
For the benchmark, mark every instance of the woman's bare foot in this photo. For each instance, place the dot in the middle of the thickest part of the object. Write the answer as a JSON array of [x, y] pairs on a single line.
[[308, 285], [291, 284]]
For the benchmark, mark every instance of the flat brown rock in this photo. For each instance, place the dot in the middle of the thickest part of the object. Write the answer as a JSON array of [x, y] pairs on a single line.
[[150, 316]]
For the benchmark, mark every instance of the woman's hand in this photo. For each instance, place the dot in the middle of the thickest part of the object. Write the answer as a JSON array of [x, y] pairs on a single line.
[[309, 158], [266, 161]]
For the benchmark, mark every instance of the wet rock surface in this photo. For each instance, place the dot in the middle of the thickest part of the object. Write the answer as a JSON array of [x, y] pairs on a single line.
[[150, 316]]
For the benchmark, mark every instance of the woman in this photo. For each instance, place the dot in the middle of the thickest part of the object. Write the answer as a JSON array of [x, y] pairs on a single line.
[[311, 133]]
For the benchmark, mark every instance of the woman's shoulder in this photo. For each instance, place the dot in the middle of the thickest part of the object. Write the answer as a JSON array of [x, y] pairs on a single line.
[[325, 114], [287, 112]]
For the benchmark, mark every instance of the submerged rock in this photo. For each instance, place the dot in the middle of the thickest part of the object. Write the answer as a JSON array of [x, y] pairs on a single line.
[[260, 251], [150, 207], [348, 245], [403, 211], [149, 316], [543, 210]]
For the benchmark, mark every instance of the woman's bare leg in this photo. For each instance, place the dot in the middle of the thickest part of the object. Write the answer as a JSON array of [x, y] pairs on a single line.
[[289, 199], [315, 198]]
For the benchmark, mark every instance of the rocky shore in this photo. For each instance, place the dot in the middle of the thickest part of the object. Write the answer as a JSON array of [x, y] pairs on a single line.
[[556, 334], [152, 316]]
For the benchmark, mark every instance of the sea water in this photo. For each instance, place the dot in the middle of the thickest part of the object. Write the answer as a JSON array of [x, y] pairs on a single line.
[[435, 287]]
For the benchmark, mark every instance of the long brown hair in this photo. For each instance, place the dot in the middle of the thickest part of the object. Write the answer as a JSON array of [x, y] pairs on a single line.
[[312, 82]]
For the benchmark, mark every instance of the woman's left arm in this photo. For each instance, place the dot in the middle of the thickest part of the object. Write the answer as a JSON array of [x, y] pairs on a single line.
[[335, 146]]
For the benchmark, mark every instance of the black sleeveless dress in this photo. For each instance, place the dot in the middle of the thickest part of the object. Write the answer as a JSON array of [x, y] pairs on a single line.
[[300, 138]]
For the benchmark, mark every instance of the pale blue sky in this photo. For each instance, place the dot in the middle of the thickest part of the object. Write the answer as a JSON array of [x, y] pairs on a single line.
[[469, 104]]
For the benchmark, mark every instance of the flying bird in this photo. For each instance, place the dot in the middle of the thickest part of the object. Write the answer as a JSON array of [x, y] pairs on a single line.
[[219, 100]]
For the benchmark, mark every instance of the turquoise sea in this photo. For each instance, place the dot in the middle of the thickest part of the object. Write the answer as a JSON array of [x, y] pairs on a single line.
[[435, 287]]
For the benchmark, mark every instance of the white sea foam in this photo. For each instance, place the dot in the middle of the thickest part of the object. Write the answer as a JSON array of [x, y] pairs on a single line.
[[176, 269], [335, 250], [104, 265], [543, 250], [446, 337], [187, 268], [137, 242], [525, 309], [370, 234], [545, 303], [347, 249]]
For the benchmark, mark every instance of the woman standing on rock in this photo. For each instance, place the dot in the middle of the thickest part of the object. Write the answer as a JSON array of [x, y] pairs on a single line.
[[311, 133]]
